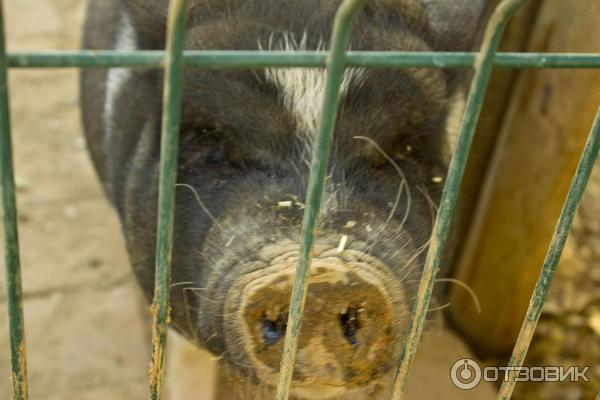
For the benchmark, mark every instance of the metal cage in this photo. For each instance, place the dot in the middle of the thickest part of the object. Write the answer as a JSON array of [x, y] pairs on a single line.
[[175, 59]]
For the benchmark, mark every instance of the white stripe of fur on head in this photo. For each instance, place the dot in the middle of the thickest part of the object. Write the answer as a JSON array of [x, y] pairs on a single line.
[[116, 79], [302, 89]]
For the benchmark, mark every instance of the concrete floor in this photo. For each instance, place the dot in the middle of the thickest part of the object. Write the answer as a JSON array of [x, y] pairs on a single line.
[[85, 332]]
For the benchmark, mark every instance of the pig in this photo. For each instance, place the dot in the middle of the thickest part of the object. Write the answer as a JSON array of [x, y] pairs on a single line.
[[245, 148]]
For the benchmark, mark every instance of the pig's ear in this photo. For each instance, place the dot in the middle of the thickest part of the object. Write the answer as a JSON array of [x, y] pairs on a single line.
[[149, 20], [149, 17], [458, 24]]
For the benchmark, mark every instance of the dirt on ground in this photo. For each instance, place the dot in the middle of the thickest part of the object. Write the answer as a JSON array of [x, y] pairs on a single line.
[[84, 329], [87, 332], [568, 333]]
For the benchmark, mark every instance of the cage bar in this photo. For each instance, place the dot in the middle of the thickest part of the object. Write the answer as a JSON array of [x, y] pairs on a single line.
[[228, 59], [336, 64], [483, 69], [11, 235], [578, 185], [171, 117]]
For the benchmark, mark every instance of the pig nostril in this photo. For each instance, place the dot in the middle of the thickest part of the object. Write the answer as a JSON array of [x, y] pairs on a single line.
[[273, 330], [350, 325]]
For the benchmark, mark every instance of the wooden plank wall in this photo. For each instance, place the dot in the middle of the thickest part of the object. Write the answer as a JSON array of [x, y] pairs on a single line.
[[542, 135]]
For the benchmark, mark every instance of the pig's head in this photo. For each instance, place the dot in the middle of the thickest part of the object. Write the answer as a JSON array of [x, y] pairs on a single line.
[[246, 142]]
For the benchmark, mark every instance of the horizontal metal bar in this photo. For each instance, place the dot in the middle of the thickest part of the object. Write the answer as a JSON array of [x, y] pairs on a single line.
[[578, 185], [259, 59], [483, 71]]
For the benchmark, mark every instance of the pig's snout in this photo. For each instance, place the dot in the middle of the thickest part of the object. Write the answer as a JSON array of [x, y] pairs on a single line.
[[339, 307], [353, 316]]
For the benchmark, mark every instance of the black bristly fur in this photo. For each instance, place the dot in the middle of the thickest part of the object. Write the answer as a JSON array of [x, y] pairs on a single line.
[[241, 149]]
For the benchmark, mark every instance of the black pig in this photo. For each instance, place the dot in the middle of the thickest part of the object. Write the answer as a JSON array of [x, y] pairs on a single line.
[[246, 142]]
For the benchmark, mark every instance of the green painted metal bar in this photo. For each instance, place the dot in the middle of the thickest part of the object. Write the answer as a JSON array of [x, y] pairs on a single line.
[[578, 185], [336, 64], [483, 69], [171, 118], [254, 59], [11, 235]]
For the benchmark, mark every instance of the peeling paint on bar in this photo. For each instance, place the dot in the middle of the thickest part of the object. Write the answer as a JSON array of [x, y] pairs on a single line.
[[11, 236], [484, 63], [227, 59], [336, 64], [166, 201], [578, 185]]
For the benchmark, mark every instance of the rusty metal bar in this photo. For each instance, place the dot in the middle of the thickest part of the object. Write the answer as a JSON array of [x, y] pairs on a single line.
[[171, 117], [336, 64], [578, 185], [483, 69], [11, 235]]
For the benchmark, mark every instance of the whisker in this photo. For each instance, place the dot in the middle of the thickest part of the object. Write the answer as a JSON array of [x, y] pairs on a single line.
[[420, 251], [187, 314], [403, 183], [215, 221], [439, 307], [180, 284], [182, 332], [199, 201], [466, 287], [432, 206], [403, 186]]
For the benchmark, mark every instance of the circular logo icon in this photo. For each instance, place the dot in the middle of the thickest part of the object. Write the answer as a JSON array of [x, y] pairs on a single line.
[[465, 374]]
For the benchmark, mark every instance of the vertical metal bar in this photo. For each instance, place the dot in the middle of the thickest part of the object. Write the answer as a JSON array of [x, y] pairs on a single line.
[[483, 68], [578, 184], [171, 117], [336, 64], [11, 236]]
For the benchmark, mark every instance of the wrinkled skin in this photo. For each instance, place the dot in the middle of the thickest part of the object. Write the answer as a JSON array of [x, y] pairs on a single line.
[[246, 141]]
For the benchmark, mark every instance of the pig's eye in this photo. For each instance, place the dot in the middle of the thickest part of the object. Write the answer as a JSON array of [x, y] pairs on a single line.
[[206, 146], [274, 330], [350, 325]]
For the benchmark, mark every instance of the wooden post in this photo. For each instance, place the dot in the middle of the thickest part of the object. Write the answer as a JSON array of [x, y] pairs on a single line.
[[548, 121], [496, 102]]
